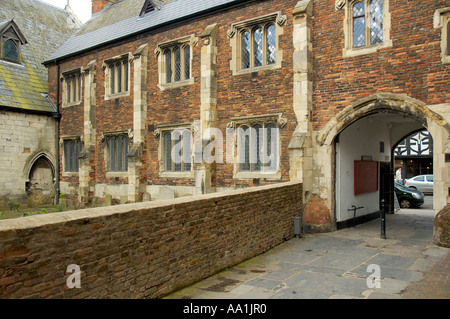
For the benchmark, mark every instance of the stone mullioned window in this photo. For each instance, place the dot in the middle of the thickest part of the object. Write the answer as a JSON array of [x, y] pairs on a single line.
[[117, 77], [366, 26], [175, 62], [255, 44]]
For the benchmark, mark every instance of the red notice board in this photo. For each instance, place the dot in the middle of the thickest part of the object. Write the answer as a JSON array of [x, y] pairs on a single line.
[[366, 177]]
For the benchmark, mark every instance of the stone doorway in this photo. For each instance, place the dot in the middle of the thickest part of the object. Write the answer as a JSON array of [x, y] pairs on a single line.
[[40, 186]]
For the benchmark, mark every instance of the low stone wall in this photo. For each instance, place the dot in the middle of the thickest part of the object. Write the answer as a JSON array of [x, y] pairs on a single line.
[[142, 250]]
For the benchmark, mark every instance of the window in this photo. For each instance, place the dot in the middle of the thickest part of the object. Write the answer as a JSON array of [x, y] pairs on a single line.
[[72, 88], [117, 76], [72, 148], [175, 62], [373, 18], [11, 40], [256, 45], [367, 26], [176, 146], [10, 51], [178, 63], [448, 37], [148, 7], [117, 153], [257, 147]]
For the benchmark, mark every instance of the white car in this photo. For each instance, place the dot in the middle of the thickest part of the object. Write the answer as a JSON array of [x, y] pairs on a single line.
[[423, 183]]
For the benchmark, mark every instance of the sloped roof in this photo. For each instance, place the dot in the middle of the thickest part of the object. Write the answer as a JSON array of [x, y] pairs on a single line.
[[45, 27], [122, 19]]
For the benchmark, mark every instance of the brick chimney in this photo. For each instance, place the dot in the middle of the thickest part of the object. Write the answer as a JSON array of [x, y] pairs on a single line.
[[99, 5]]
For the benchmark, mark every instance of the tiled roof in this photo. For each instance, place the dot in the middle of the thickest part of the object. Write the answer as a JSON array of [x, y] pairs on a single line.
[[45, 27], [121, 19]]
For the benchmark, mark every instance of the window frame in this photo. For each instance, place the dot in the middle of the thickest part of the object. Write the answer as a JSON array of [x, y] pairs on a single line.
[[163, 68], [161, 133], [67, 171], [349, 49], [251, 121], [11, 31], [236, 32], [16, 44], [68, 98], [114, 89], [112, 171]]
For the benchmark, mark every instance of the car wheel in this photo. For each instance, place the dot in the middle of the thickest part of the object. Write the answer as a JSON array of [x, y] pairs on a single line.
[[405, 203]]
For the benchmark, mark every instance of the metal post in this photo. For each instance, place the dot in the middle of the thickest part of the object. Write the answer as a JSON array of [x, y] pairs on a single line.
[[383, 220]]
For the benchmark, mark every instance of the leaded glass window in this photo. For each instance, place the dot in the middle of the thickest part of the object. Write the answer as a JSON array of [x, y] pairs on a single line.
[[72, 149], [271, 44], [376, 21], [118, 76], [367, 23], [359, 38], [10, 51], [117, 148], [73, 87], [257, 147], [176, 150], [177, 63], [245, 50], [448, 37], [258, 46]]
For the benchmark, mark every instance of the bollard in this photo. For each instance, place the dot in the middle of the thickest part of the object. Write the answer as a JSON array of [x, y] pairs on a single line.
[[383, 220]]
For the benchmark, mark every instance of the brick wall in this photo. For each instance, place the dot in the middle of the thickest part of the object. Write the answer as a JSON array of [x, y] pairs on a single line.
[[412, 66], [143, 250], [258, 93]]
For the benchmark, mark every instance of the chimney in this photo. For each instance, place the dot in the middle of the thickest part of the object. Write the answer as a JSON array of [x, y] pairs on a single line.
[[99, 5]]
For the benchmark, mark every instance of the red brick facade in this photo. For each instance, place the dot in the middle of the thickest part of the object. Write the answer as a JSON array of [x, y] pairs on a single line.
[[411, 66]]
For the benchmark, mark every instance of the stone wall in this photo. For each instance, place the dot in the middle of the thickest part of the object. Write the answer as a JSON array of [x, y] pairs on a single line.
[[24, 139], [143, 250]]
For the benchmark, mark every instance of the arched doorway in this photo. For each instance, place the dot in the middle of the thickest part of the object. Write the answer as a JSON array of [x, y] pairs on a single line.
[[40, 182], [363, 134]]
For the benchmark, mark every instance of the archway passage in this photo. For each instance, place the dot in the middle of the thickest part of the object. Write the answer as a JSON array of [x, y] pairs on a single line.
[[40, 187], [364, 171], [363, 137]]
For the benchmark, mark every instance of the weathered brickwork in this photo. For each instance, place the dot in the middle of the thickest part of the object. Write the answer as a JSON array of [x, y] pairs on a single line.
[[320, 86], [143, 250], [257, 93], [412, 66]]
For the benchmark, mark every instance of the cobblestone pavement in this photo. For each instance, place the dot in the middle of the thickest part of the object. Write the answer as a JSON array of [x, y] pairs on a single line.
[[343, 264]]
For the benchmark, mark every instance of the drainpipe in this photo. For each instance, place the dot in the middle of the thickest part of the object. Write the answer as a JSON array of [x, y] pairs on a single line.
[[57, 117]]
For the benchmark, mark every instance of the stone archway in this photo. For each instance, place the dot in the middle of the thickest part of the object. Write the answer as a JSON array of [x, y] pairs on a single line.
[[40, 175], [322, 172]]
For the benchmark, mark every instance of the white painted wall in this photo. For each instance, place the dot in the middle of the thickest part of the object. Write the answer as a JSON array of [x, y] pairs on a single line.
[[361, 138]]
